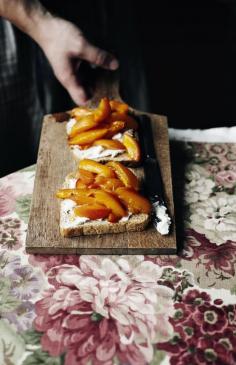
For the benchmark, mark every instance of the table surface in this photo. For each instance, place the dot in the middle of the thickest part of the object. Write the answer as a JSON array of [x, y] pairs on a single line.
[[129, 310]]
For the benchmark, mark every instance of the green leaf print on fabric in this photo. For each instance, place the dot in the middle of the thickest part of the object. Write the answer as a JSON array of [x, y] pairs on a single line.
[[39, 357], [158, 357], [12, 346], [233, 290], [32, 337], [23, 207], [8, 302]]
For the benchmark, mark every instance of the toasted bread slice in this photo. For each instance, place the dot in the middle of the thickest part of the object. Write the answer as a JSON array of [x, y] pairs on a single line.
[[71, 226], [122, 157], [105, 154], [135, 223]]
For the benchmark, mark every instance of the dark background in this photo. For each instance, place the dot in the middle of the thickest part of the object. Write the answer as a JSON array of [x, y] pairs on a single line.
[[177, 58]]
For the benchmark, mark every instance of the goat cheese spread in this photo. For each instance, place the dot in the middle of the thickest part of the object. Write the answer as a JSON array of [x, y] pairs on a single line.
[[68, 217], [70, 124], [163, 226], [94, 151]]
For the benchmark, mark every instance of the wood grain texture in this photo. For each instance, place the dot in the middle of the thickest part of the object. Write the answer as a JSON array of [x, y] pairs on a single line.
[[55, 162]]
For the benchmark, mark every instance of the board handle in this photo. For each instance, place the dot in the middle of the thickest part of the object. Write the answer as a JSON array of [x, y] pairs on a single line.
[[106, 84]]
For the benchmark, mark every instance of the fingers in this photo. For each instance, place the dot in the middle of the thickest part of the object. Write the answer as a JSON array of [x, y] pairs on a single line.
[[98, 56], [72, 84], [76, 91]]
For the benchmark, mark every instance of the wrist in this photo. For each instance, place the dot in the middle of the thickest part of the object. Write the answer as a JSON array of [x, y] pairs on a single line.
[[30, 16], [38, 25]]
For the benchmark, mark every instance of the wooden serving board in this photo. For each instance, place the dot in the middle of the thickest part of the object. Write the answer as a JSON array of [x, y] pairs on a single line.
[[55, 161]]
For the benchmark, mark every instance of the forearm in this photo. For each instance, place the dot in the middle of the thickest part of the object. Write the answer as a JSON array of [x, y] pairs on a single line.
[[62, 42], [28, 15]]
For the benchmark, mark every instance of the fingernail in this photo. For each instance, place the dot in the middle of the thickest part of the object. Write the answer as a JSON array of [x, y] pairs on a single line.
[[82, 97], [83, 100], [114, 64]]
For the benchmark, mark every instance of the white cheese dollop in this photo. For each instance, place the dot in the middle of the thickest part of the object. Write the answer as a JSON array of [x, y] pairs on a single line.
[[94, 152], [118, 137], [68, 217], [163, 226], [70, 183], [126, 218], [70, 124]]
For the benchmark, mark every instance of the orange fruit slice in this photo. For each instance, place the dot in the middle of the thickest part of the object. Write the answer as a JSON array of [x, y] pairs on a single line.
[[88, 137], [84, 124], [128, 178], [96, 168], [92, 211], [103, 111], [114, 128], [118, 106], [108, 184], [110, 202], [132, 147], [111, 144], [134, 201]]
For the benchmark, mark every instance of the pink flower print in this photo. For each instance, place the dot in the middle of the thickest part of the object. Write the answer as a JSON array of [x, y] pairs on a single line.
[[46, 262], [204, 331], [7, 200], [226, 178], [22, 182], [105, 308], [11, 232], [194, 297], [211, 318]]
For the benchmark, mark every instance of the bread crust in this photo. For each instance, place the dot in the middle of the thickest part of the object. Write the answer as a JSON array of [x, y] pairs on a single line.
[[123, 158], [135, 223]]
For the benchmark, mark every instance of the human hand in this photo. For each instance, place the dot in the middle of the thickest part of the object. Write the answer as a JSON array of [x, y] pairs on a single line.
[[65, 47]]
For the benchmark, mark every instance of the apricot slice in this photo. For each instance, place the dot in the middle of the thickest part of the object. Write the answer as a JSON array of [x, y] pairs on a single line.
[[114, 128], [103, 111], [112, 218], [134, 201], [86, 176], [130, 122], [108, 184], [118, 106], [83, 125], [83, 199], [96, 168], [110, 202], [79, 112], [80, 184], [132, 147], [109, 144], [128, 178], [88, 137], [85, 146], [92, 211], [74, 193]]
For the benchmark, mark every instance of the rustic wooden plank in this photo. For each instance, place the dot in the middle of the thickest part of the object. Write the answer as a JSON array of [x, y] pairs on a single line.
[[55, 162]]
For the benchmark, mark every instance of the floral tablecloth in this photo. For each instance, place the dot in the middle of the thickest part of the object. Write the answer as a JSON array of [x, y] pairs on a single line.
[[129, 310]]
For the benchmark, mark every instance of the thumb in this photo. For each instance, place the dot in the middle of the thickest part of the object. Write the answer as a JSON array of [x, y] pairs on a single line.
[[98, 56]]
